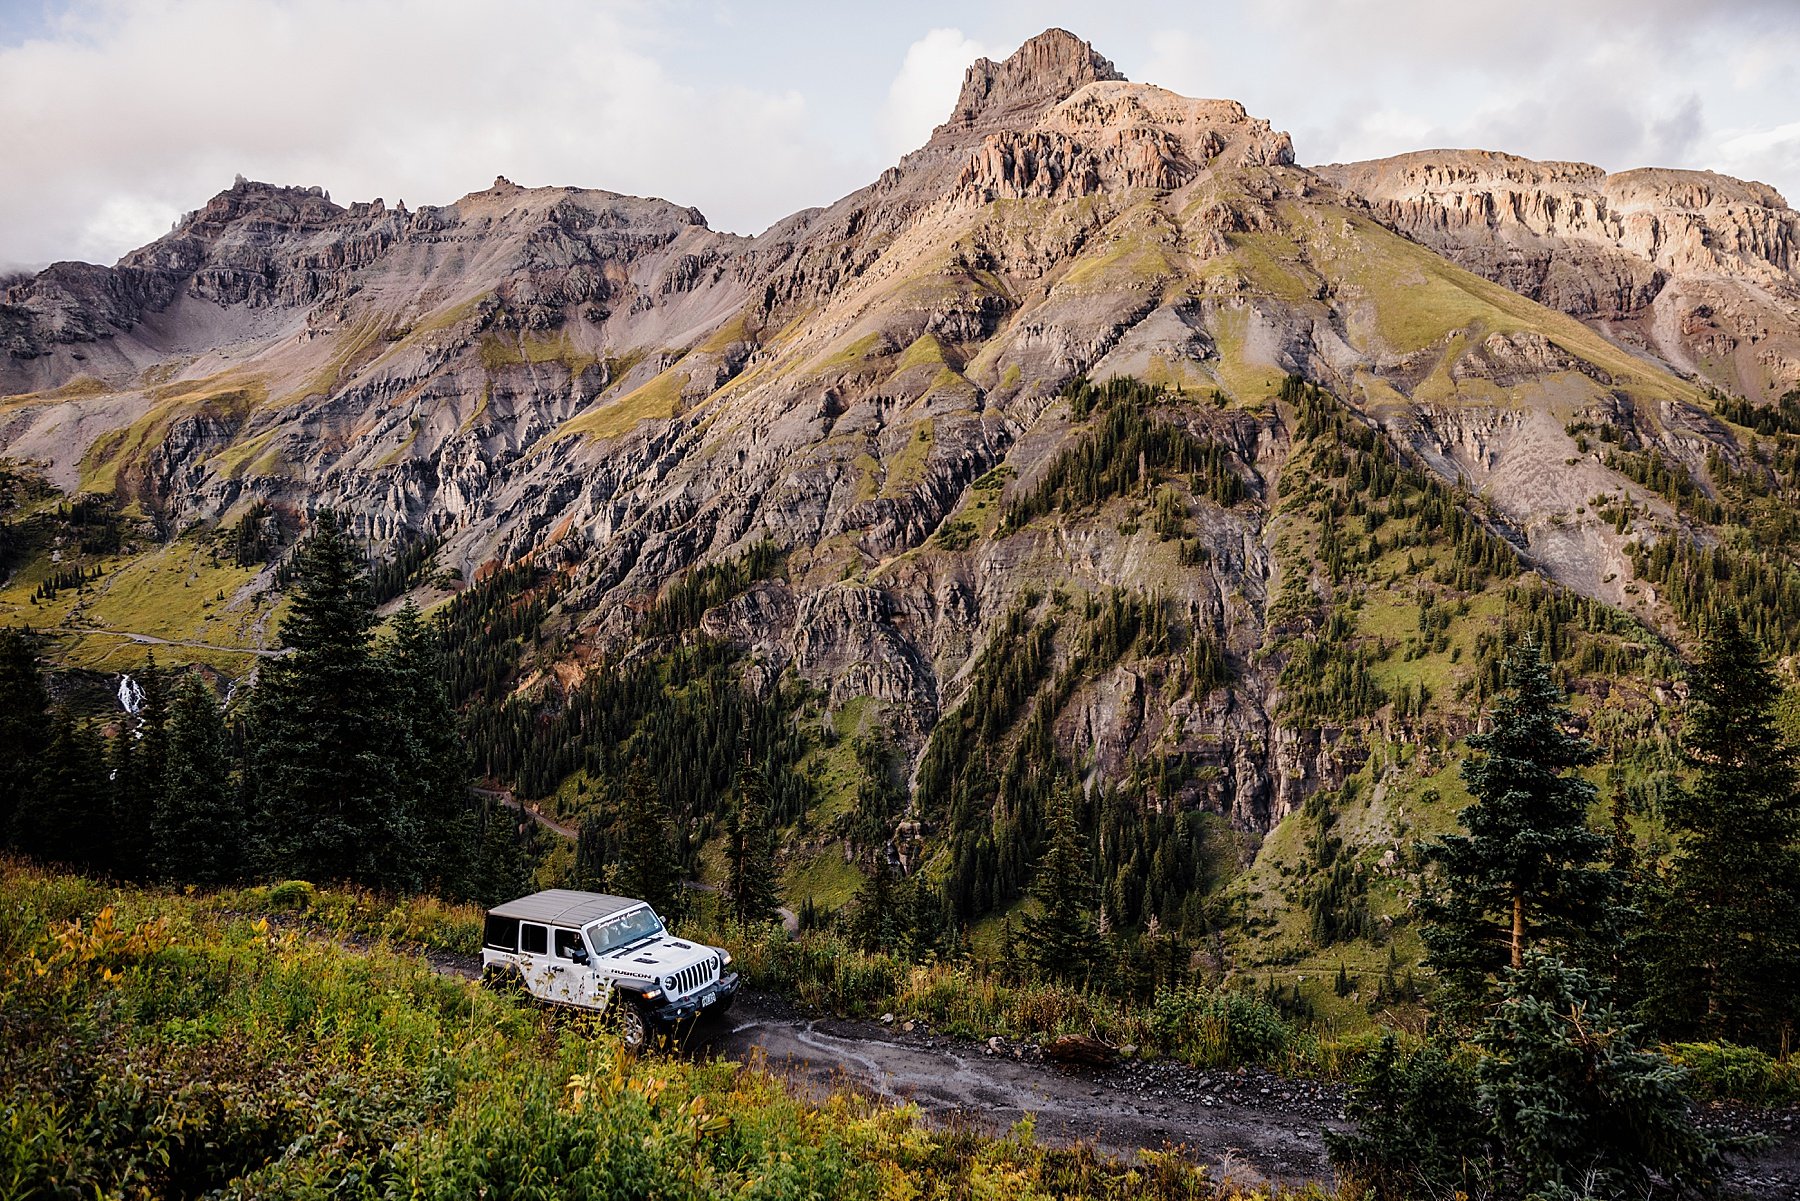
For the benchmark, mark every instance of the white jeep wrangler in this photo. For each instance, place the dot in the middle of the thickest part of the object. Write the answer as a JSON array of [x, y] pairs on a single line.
[[608, 954]]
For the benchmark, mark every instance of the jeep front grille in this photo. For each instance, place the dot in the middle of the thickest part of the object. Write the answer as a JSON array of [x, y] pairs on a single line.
[[691, 979]]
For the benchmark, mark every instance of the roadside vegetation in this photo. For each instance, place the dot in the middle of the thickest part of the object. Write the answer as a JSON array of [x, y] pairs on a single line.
[[154, 1045]]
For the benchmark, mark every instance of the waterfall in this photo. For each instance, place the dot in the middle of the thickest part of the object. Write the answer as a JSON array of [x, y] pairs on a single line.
[[131, 695]]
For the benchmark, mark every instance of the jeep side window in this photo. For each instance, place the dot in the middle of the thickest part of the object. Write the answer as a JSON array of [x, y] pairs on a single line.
[[567, 943], [502, 933], [533, 940]]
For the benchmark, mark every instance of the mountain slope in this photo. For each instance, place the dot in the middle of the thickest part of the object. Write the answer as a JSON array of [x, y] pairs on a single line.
[[1274, 572]]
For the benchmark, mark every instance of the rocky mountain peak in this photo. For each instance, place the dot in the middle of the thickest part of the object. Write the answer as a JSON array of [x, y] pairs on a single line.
[[1049, 68]]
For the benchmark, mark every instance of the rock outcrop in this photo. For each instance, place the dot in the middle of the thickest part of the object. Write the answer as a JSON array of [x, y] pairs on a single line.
[[1700, 269]]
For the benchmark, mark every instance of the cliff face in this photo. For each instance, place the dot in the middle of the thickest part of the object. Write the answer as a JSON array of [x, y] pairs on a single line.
[[607, 385], [1696, 268]]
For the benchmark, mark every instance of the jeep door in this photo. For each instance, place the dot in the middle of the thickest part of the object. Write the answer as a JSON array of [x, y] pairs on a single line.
[[573, 980], [534, 960]]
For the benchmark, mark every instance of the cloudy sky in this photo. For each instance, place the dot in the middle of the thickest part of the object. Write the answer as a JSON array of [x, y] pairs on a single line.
[[118, 115]]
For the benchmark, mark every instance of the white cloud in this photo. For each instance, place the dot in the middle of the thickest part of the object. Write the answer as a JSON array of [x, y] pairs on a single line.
[[120, 114], [133, 112], [1769, 155], [925, 90]]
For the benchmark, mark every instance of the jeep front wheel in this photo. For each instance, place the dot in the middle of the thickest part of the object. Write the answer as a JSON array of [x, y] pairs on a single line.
[[637, 1029]]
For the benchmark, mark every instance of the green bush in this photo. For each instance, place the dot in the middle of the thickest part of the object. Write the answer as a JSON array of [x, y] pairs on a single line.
[[291, 896], [1218, 1028], [1725, 1071]]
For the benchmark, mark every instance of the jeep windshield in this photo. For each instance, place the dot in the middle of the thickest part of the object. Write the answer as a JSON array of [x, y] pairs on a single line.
[[626, 928]]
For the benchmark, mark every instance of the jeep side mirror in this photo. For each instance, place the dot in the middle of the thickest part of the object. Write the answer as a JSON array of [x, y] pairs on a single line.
[[580, 955]]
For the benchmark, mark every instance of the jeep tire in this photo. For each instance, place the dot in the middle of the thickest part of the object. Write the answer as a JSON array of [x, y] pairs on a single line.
[[501, 979], [638, 1031]]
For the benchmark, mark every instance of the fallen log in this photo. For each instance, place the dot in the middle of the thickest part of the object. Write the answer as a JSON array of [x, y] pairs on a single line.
[[1080, 1048]]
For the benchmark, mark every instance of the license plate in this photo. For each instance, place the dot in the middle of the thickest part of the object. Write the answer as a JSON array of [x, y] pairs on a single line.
[[708, 998]]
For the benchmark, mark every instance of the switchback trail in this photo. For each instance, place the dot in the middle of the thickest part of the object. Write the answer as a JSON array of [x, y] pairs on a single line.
[[506, 797], [153, 640]]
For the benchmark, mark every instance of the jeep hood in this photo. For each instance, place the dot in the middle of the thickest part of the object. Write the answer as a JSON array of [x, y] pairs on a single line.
[[659, 957]]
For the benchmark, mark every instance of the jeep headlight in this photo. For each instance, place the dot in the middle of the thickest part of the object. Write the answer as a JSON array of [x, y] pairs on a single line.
[[669, 983]]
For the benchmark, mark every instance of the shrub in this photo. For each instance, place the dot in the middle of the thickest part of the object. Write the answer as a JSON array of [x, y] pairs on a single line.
[[1217, 1028], [291, 896], [1725, 1071], [1418, 1129]]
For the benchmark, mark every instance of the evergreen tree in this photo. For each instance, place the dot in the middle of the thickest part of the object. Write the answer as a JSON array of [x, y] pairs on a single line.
[[1523, 875], [199, 829], [1726, 958], [64, 815], [647, 868], [1060, 939], [434, 767], [877, 924], [321, 733], [750, 851], [1418, 1129], [1575, 1103], [24, 722], [502, 867], [133, 800], [1565, 1103]]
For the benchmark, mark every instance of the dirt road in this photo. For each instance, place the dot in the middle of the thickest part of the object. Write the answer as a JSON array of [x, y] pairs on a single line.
[[1251, 1125]]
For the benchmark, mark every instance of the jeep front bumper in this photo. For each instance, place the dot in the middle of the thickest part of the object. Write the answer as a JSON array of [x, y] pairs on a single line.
[[710, 997]]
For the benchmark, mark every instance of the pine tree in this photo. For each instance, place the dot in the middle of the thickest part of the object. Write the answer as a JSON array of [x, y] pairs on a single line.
[[502, 866], [1523, 875], [1565, 1102], [64, 815], [750, 851], [647, 868], [1418, 1131], [199, 829], [321, 729], [24, 722], [1575, 1103], [434, 764], [876, 923], [1726, 945], [133, 801], [1060, 939]]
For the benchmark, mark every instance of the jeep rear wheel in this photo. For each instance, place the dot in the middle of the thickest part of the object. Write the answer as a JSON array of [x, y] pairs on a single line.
[[502, 979]]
